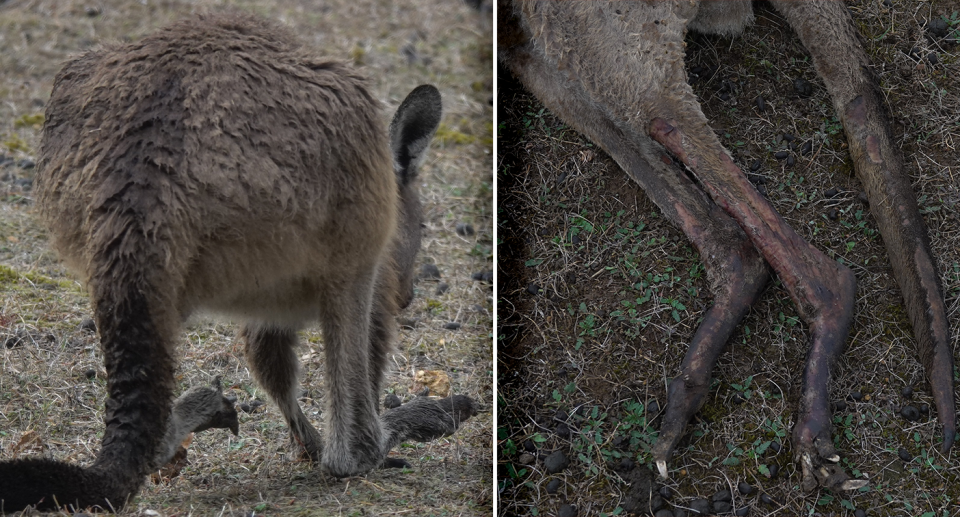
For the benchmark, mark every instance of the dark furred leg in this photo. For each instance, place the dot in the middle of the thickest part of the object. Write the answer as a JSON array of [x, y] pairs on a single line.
[[879, 166], [736, 271], [382, 325], [272, 357]]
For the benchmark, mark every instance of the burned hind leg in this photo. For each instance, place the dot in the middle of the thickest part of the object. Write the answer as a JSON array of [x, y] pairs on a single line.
[[272, 358], [830, 36], [736, 271]]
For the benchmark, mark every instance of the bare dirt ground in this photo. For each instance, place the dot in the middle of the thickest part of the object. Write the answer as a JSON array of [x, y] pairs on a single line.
[[599, 295], [52, 385]]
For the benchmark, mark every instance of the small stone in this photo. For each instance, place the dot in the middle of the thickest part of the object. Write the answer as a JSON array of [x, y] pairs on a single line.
[[802, 87], [859, 512], [533, 289], [391, 401], [806, 148], [429, 272], [761, 104], [556, 462], [910, 413], [526, 458], [90, 373], [744, 488], [442, 288], [781, 155], [553, 486], [906, 392], [722, 507], [465, 230], [567, 510], [905, 455], [88, 324], [700, 506], [452, 325]]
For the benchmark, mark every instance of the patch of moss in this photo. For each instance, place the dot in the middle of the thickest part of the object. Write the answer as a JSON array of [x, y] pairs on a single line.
[[447, 135], [35, 121], [14, 143]]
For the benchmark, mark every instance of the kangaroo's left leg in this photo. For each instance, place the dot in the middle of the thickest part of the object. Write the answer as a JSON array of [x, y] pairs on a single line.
[[273, 360]]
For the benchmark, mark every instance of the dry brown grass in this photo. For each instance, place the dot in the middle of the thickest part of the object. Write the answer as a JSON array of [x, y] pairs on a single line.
[[44, 386], [565, 350]]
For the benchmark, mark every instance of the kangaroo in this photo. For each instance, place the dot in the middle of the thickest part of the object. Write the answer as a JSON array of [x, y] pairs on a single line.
[[218, 165], [615, 72]]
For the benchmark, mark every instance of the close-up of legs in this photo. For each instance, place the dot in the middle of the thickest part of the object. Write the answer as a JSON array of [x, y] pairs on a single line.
[[782, 145]]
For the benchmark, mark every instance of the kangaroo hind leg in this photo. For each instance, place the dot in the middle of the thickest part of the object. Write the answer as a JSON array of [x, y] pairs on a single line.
[[273, 360]]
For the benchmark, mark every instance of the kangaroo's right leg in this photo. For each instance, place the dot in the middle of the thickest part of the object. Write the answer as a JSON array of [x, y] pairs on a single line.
[[272, 357], [736, 270]]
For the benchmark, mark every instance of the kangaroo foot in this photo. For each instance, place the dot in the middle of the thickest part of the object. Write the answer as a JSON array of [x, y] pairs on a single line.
[[424, 419], [817, 457]]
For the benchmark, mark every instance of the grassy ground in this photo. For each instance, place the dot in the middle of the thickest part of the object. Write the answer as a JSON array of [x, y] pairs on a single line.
[[598, 294], [52, 387]]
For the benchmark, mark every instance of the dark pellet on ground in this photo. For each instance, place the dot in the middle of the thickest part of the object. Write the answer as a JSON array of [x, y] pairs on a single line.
[[561, 416], [774, 470], [933, 59], [653, 407], [924, 409], [830, 193], [906, 392], [567, 510], [742, 512], [533, 289], [859, 512], [722, 495], [905, 454], [88, 324], [755, 166], [938, 27], [802, 87], [90, 373], [665, 492], [722, 507], [791, 161], [761, 104], [429, 272], [788, 137], [626, 465], [744, 488], [762, 190], [465, 230], [452, 325], [806, 148], [910, 413], [563, 431], [781, 155], [839, 405], [855, 396], [862, 197], [724, 97], [833, 214], [442, 288], [553, 486], [776, 447], [700, 506], [391, 401], [766, 499], [663, 513], [556, 462], [529, 446]]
